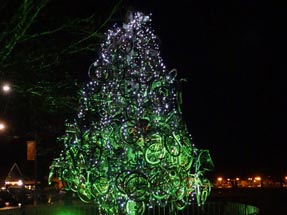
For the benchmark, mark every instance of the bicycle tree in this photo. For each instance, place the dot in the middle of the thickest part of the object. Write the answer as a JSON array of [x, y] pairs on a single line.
[[129, 148]]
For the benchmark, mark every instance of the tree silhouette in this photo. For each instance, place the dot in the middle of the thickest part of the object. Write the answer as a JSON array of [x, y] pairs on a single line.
[[38, 42]]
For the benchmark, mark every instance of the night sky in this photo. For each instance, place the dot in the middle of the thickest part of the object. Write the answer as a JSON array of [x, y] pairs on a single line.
[[232, 55], [234, 102]]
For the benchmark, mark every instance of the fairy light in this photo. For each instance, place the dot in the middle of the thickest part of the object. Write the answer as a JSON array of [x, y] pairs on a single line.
[[129, 135]]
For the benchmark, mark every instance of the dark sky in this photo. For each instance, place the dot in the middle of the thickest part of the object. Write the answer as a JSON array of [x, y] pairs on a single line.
[[232, 54]]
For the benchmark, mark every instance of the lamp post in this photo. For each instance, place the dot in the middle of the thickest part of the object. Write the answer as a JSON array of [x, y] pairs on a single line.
[[5, 89], [32, 156]]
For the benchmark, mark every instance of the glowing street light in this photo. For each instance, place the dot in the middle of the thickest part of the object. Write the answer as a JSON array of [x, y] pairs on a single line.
[[2, 126], [6, 88], [219, 179], [257, 178]]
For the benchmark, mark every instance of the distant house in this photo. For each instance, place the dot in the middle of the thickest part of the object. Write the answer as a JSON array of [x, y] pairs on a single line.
[[15, 179]]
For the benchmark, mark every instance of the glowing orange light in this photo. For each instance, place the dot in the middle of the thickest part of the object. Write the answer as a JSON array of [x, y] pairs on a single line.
[[2, 126]]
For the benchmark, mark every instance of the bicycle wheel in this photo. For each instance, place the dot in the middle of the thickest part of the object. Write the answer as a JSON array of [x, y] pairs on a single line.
[[99, 72], [100, 186], [136, 186], [129, 88], [84, 192], [155, 153], [172, 145], [135, 208], [130, 132], [185, 160]]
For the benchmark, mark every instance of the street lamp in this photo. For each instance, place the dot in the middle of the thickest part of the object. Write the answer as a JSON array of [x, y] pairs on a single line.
[[2, 126], [6, 88]]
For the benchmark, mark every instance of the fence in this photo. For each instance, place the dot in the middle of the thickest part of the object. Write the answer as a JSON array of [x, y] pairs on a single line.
[[211, 208]]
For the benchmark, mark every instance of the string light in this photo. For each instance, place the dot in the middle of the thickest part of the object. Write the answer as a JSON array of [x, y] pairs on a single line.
[[129, 149]]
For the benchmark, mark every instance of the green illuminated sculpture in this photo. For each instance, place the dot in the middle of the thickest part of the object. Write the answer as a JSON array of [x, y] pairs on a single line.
[[129, 147]]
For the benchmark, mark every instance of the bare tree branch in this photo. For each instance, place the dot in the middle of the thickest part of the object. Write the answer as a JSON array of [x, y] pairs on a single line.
[[39, 53], [18, 26], [73, 48]]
